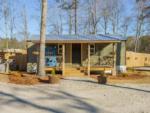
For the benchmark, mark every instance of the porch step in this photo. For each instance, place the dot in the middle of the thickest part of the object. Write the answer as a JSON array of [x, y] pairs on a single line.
[[73, 71]]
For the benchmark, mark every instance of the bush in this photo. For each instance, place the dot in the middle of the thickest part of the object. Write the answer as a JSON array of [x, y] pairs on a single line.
[[102, 73], [102, 79], [124, 75], [53, 72]]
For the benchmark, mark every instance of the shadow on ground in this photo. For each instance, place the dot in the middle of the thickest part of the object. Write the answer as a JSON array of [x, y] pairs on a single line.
[[46, 95], [112, 85], [77, 103], [80, 80], [125, 87]]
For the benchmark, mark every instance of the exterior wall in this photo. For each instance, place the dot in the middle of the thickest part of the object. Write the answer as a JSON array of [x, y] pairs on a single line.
[[137, 59], [22, 62], [32, 58], [32, 49], [84, 54], [68, 54], [121, 56]]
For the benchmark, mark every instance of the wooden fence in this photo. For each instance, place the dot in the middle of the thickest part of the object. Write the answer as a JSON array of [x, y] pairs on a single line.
[[137, 59]]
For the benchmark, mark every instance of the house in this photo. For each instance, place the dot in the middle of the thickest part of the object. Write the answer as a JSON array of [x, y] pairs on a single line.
[[72, 54]]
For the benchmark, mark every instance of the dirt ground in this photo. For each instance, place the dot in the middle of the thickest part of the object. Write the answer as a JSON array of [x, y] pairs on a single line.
[[137, 77], [4, 78], [23, 78], [132, 77]]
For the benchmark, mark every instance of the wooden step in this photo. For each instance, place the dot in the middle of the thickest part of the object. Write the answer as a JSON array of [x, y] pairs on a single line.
[[73, 71], [66, 73], [74, 74]]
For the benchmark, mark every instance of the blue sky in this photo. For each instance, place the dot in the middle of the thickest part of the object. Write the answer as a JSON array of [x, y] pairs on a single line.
[[33, 14]]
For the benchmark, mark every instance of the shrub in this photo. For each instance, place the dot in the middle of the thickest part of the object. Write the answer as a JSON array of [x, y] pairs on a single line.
[[53, 72], [102, 73], [124, 75]]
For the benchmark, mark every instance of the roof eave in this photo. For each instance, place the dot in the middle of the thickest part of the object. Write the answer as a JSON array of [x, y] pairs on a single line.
[[76, 41]]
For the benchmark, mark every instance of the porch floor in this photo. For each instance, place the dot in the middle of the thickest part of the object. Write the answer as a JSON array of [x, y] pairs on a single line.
[[79, 71]]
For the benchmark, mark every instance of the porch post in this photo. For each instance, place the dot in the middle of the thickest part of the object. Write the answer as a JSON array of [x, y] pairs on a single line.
[[63, 59], [114, 71], [88, 70]]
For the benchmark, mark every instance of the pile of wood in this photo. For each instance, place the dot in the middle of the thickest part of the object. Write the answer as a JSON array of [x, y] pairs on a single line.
[[18, 78], [32, 67]]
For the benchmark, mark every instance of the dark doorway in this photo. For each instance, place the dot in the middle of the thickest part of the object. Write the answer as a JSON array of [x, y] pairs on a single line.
[[76, 53]]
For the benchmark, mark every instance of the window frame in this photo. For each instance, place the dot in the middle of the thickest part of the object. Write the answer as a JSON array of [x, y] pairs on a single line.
[[60, 49], [92, 49]]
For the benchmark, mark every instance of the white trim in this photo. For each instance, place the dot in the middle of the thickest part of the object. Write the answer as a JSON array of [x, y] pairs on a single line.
[[122, 68]]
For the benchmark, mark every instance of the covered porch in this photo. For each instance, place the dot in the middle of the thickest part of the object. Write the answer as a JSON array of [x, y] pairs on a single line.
[[81, 58]]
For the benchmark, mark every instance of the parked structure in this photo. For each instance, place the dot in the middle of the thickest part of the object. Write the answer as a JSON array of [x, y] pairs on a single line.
[[16, 58], [137, 59], [79, 53]]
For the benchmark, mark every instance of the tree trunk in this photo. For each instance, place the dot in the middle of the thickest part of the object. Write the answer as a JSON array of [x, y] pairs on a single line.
[[105, 25], [75, 1], [70, 22], [41, 68]]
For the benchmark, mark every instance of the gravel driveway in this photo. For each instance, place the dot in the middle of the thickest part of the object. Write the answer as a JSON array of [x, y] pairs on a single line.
[[75, 95]]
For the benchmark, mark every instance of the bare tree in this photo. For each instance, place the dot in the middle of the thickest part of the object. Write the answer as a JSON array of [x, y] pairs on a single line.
[[67, 6], [139, 22], [6, 15], [125, 25], [9, 24], [25, 31], [71, 7], [1, 9], [105, 17], [12, 20], [116, 8], [147, 15], [41, 71], [75, 15], [55, 25], [93, 16], [12, 26], [70, 21]]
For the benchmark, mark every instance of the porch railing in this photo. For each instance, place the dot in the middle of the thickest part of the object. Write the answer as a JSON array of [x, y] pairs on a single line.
[[100, 61]]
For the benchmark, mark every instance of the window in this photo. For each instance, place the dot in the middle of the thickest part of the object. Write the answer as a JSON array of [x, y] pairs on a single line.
[[59, 49], [51, 50], [92, 49]]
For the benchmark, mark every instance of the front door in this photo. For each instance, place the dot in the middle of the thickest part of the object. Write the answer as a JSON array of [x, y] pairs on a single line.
[[76, 54]]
